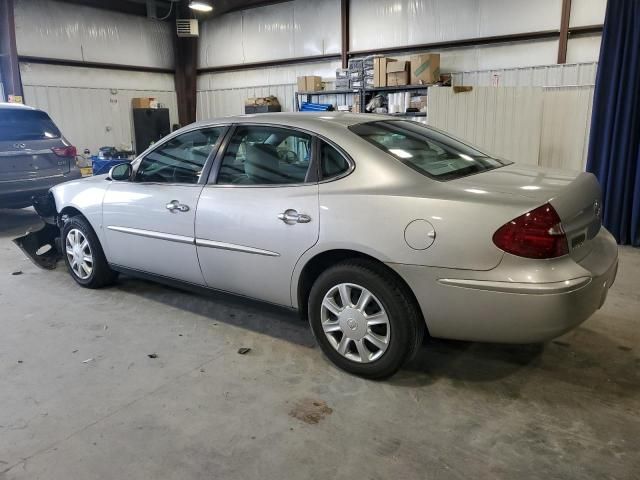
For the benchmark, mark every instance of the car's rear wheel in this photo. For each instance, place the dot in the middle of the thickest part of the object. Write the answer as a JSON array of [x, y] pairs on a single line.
[[83, 254], [363, 319]]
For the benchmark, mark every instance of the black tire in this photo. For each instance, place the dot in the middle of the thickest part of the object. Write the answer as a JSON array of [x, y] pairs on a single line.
[[101, 275], [406, 324]]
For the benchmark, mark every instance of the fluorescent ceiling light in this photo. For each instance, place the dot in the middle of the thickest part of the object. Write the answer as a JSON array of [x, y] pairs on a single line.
[[200, 6]]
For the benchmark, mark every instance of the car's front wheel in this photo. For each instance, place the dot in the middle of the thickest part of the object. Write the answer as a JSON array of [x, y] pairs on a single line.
[[364, 319], [83, 254]]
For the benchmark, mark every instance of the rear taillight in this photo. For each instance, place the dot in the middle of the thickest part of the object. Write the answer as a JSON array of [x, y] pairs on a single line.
[[536, 234], [69, 151]]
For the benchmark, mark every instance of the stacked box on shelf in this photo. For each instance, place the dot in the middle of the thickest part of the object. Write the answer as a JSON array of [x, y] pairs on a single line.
[[356, 73], [368, 71], [342, 79]]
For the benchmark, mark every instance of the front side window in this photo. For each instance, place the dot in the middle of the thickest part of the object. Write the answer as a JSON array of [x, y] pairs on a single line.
[[181, 159], [17, 124], [426, 150], [262, 155]]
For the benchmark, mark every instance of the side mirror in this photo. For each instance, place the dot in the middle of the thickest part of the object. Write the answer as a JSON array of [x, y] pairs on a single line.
[[120, 172]]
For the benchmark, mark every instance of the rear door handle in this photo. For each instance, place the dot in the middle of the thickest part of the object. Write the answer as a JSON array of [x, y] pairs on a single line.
[[175, 206], [291, 216]]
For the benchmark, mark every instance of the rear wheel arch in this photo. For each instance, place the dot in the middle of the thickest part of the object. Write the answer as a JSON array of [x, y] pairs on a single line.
[[324, 260]]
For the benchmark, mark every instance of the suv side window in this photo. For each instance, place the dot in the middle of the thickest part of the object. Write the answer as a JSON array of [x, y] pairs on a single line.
[[332, 162], [181, 159], [263, 155]]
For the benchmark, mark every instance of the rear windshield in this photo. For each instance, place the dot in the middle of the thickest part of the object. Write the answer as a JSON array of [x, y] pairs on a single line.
[[17, 124], [426, 150]]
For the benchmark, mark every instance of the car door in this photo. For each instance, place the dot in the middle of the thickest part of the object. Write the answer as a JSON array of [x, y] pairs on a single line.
[[148, 221], [259, 213]]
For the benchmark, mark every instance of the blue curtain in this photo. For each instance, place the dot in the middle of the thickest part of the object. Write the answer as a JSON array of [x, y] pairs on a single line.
[[614, 144]]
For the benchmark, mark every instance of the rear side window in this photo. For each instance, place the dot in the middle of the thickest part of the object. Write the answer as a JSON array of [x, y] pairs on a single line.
[[426, 150], [265, 155], [17, 124], [332, 163]]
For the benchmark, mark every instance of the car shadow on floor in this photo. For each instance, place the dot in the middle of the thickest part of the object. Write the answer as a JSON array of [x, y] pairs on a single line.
[[16, 222]]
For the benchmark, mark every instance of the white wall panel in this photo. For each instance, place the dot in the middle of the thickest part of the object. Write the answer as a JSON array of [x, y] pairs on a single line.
[[51, 29], [566, 122], [587, 12], [503, 121], [539, 76], [385, 23], [539, 126], [221, 94], [584, 49], [267, 32], [285, 30], [93, 107]]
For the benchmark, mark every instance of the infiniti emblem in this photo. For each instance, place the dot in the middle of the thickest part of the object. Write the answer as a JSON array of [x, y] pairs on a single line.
[[352, 324], [597, 209]]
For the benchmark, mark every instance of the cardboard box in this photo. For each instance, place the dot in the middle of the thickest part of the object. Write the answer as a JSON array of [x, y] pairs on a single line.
[[262, 105], [380, 71], [309, 83], [425, 69], [144, 102], [397, 74]]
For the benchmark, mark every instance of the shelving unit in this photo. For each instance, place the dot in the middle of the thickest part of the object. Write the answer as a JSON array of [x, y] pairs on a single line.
[[344, 92], [363, 94]]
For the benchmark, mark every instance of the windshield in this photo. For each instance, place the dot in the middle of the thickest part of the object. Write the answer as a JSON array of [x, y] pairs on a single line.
[[17, 124], [426, 150]]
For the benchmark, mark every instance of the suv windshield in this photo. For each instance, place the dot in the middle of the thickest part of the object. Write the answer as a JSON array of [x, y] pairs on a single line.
[[17, 124], [426, 150]]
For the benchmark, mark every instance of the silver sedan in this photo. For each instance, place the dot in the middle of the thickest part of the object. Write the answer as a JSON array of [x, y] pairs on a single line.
[[376, 229]]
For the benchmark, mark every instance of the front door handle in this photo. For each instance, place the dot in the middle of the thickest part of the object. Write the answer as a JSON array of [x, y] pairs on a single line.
[[291, 217], [175, 206]]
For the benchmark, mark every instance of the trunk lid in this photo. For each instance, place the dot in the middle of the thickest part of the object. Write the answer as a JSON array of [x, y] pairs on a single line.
[[576, 197]]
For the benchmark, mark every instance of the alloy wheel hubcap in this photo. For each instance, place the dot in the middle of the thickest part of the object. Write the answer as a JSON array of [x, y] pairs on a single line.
[[355, 322], [79, 253]]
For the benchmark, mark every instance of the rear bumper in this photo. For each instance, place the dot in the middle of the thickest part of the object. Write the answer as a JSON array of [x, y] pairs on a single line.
[[18, 193], [495, 309]]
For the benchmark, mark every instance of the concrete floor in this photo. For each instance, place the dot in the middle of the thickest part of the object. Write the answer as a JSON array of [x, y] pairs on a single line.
[[81, 399]]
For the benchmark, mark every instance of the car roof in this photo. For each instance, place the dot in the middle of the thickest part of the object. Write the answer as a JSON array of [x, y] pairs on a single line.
[[17, 106], [306, 120]]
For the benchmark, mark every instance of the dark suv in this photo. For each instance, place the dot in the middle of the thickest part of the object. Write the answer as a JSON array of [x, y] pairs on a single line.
[[34, 155]]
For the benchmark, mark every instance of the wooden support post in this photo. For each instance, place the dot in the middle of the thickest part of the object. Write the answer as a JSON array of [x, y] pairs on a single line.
[[564, 31], [186, 69], [9, 67], [344, 21]]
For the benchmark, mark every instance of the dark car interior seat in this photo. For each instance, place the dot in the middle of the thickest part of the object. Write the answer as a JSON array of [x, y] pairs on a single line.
[[262, 165]]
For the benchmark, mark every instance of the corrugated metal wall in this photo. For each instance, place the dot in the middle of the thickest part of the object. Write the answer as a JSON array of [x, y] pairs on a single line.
[[539, 76], [92, 107], [504, 121], [50, 29], [546, 126]]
